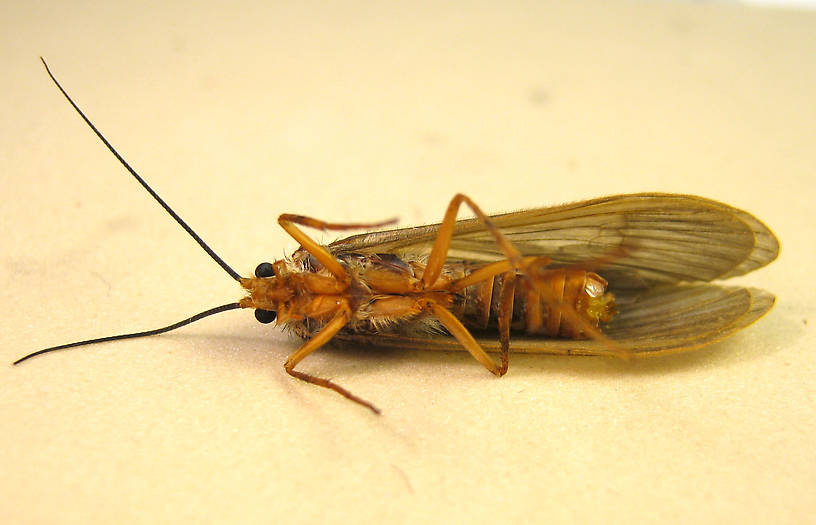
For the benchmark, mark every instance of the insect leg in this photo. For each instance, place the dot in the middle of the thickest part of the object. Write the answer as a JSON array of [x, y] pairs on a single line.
[[506, 301], [458, 330], [488, 271], [506, 317], [288, 222], [319, 339], [436, 260]]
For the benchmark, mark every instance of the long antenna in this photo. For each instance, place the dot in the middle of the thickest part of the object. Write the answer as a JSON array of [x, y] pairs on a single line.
[[196, 317], [144, 184], [194, 235]]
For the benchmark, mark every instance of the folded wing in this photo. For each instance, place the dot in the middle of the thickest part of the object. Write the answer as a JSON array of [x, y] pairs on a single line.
[[636, 240]]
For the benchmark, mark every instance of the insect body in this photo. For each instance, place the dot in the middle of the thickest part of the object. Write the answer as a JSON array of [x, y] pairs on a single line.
[[381, 293], [385, 292], [529, 275], [364, 294]]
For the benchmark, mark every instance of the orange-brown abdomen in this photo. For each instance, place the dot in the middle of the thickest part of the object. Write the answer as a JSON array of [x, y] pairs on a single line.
[[583, 292]]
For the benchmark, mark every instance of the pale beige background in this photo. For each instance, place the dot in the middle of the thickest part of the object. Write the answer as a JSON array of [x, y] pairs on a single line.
[[359, 112]]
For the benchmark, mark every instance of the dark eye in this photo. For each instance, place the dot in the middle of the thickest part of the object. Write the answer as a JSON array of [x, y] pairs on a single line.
[[265, 269], [265, 316]]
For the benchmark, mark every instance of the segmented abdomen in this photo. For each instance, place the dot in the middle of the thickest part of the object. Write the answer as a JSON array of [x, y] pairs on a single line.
[[584, 292]]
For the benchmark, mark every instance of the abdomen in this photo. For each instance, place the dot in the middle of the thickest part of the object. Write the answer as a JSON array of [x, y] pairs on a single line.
[[584, 292]]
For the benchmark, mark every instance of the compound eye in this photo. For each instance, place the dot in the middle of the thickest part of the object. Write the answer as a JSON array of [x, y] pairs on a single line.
[[265, 316], [265, 269]]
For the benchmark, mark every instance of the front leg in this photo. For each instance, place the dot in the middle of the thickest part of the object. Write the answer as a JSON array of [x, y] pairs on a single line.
[[340, 319], [288, 222]]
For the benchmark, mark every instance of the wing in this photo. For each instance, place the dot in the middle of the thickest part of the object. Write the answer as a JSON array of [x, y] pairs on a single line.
[[663, 320], [643, 239]]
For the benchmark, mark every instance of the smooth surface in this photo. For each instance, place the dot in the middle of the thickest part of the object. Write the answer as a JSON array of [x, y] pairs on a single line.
[[359, 113]]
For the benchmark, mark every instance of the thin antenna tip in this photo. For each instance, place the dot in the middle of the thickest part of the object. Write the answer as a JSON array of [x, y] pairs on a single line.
[[232, 273], [189, 320]]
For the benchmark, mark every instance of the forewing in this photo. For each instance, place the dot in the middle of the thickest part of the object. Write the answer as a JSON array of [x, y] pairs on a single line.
[[637, 240], [663, 320]]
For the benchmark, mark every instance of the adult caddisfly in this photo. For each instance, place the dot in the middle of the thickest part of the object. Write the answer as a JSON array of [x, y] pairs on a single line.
[[538, 280]]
